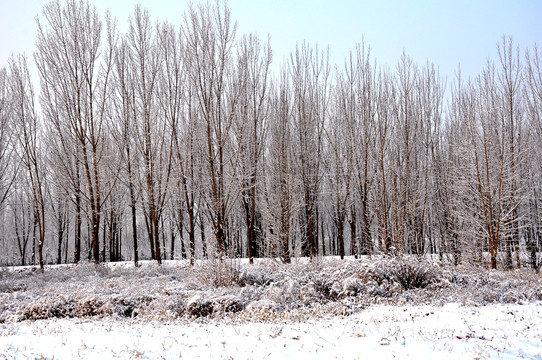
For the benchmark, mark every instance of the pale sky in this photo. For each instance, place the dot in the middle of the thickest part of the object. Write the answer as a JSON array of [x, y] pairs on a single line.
[[444, 32]]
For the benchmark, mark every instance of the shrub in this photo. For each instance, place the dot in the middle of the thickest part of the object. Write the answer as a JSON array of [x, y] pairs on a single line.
[[220, 273], [228, 304], [60, 308], [264, 305], [197, 307], [91, 307], [178, 306], [65, 308], [130, 307], [255, 278], [412, 275], [353, 286], [326, 288]]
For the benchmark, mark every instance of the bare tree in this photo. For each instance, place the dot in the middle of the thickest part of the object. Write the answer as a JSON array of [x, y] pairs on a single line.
[[180, 111], [489, 190], [510, 83], [123, 129], [446, 171], [250, 130], [172, 80], [278, 172], [210, 36], [154, 141], [484, 180], [407, 122], [58, 206], [26, 124], [430, 92], [365, 130], [340, 135], [533, 99], [8, 165], [74, 70], [23, 218], [309, 72], [384, 112], [64, 169], [186, 136], [356, 90]]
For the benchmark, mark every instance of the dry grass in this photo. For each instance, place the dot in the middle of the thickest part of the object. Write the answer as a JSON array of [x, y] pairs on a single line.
[[260, 292]]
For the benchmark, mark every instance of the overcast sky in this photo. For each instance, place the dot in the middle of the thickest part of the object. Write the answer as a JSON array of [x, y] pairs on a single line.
[[444, 32]]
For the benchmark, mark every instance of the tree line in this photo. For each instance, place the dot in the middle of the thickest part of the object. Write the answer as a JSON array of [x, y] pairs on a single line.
[[177, 141]]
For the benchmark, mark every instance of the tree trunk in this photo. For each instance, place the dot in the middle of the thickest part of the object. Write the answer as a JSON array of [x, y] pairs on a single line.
[[356, 246], [60, 232], [340, 236], [203, 240]]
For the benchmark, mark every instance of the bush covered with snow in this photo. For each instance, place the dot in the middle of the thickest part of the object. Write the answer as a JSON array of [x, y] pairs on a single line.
[[264, 291]]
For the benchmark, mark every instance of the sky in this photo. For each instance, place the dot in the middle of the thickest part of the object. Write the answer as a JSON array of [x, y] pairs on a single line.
[[444, 32]]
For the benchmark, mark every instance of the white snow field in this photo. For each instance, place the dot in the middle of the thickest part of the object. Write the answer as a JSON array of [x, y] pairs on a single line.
[[378, 332], [376, 308]]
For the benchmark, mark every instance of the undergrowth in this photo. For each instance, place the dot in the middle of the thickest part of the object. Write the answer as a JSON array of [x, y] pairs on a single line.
[[263, 291]]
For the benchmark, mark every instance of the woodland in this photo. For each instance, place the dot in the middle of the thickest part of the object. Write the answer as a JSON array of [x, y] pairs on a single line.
[[177, 141]]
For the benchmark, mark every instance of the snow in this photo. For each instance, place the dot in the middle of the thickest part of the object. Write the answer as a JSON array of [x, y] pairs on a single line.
[[369, 308], [452, 331]]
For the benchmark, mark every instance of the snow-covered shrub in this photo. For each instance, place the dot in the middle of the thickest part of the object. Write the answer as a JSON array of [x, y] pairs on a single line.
[[373, 289], [91, 307], [228, 304], [352, 286], [177, 306], [265, 305], [410, 274], [129, 306], [219, 273], [65, 308], [11, 286], [198, 306], [251, 293], [58, 308], [329, 286], [276, 294], [326, 287], [413, 274], [379, 273], [287, 291], [255, 276]]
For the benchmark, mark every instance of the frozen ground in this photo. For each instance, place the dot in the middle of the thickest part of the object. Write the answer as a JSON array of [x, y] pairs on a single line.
[[353, 309], [381, 331]]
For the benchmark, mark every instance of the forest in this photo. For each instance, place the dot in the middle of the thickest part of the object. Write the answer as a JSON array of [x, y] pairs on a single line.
[[177, 141]]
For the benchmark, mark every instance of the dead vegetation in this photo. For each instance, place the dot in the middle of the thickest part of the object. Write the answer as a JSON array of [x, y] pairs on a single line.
[[264, 291]]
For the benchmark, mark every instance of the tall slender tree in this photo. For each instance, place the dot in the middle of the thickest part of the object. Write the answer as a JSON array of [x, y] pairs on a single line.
[[154, 143], [309, 72], [8, 167], [217, 87], [279, 174], [250, 129], [27, 130], [74, 68]]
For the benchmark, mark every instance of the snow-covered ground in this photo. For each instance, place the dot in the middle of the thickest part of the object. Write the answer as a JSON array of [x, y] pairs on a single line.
[[369, 308], [378, 332]]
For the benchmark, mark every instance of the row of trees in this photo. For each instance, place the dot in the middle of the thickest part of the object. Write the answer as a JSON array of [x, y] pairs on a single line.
[[177, 141]]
